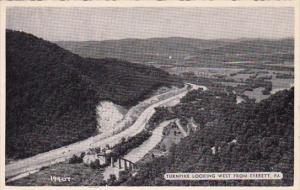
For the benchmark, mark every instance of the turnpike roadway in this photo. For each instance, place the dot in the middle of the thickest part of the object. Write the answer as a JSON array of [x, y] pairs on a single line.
[[34, 163]]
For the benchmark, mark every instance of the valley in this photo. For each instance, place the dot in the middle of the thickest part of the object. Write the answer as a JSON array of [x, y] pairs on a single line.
[[250, 63], [175, 104]]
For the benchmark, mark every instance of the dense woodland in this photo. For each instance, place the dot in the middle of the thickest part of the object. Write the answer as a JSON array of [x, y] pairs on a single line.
[[263, 132], [51, 93]]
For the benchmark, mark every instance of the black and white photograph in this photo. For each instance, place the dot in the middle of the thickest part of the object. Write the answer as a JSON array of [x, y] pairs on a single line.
[[149, 96]]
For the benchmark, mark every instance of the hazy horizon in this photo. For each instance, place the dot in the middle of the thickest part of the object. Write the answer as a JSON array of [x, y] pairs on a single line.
[[216, 39], [102, 24]]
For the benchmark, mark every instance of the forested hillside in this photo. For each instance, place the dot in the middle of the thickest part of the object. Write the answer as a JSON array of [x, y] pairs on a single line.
[[246, 137], [51, 93]]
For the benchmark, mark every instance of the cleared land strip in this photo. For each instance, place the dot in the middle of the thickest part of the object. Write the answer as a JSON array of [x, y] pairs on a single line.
[[181, 128]]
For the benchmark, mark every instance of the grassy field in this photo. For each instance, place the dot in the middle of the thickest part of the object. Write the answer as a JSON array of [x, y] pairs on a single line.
[[248, 81], [256, 94]]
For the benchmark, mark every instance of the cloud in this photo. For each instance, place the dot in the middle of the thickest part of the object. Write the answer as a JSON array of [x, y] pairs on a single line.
[[79, 24]]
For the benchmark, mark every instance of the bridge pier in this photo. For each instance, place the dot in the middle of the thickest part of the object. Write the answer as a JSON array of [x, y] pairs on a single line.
[[112, 164], [188, 129], [120, 165], [125, 164]]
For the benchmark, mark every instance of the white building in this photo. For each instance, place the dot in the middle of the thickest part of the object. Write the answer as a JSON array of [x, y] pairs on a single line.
[[89, 158]]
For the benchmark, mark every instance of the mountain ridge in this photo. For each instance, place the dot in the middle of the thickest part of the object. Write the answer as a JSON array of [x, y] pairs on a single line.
[[52, 94], [178, 51]]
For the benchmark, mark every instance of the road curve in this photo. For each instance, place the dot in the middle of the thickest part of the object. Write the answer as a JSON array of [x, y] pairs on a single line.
[[138, 153], [64, 153]]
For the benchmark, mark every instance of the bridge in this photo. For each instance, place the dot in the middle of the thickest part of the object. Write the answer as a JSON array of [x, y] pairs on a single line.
[[111, 161], [115, 165], [122, 164]]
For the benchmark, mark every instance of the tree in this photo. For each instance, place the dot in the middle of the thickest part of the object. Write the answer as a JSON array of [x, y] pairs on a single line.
[[95, 164], [75, 159], [112, 179]]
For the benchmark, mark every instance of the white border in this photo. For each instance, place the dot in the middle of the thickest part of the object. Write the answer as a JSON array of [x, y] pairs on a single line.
[[5, 4]]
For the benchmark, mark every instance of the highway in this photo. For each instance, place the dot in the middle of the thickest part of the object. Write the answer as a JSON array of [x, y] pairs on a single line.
[[21, 167]]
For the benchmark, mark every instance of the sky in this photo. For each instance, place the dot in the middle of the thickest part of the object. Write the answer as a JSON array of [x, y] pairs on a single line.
[[96, 24]]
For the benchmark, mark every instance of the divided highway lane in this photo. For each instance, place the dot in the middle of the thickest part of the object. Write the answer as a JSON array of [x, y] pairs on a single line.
[[64, 153]]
